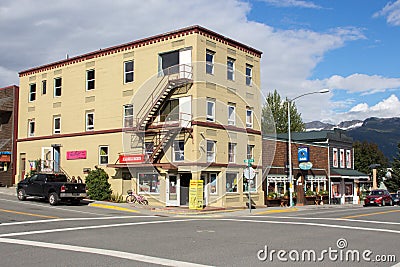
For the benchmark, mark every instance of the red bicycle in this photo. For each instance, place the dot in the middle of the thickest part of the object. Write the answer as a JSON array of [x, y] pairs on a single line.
[[133, 198]]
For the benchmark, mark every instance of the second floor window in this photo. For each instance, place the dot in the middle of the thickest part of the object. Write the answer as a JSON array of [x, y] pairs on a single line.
[[230, 68], [31, 127], [210, 109], [57, 86], [231, 152], [179, 150], [128, 71], [210, 151], [250, 151], [103, 155], [128, 115], [56, 125], [210, 62], [249, 118], [231, 115], [89, 121], [32, 92], [90, 79]]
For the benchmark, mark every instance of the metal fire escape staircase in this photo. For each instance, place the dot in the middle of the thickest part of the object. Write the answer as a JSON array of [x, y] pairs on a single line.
[[174, 77]]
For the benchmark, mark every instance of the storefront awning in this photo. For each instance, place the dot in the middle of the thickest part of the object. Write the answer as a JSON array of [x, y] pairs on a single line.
[[166, 166], [348, 174]]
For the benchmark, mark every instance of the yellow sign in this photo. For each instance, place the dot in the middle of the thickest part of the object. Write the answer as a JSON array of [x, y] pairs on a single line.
[[196, 195]]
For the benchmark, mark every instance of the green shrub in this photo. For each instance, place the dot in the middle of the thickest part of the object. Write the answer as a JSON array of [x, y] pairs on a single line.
[[310, 193], [98, 187]]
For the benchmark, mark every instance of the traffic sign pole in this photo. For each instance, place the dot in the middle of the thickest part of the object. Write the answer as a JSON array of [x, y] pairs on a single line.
[[250, 176]]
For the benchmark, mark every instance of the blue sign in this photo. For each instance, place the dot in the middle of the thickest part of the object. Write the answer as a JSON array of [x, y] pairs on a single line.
[[5, 153], [303, 154]]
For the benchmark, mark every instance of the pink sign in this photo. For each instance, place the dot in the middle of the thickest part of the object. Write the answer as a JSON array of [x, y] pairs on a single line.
[[79, 154]]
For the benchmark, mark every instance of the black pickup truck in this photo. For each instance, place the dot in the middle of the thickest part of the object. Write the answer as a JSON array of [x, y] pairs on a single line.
[[52, 186]]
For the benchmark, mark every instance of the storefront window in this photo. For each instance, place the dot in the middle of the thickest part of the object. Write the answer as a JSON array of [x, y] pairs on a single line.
[[231, 182], [149, 183], [213, 183], [336, 190], [348, 187]]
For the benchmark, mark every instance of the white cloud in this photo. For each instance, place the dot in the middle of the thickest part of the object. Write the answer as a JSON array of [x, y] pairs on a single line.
[[363, 83], [391, 12], [386, 108], [292, 3]]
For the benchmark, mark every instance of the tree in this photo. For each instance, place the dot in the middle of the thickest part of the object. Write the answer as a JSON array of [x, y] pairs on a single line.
[[98, 187], [393, 183], [366, 154], [275, 117]]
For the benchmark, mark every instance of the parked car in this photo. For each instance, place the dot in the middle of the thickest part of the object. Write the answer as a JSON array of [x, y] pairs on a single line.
[[379, 197], [396, 198], [51, 186]]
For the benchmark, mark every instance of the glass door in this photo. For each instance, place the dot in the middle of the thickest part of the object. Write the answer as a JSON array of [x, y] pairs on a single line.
[[172, 192]]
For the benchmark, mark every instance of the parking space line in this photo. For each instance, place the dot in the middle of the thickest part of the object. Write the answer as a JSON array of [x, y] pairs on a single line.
[[370, 214], [29, 214]]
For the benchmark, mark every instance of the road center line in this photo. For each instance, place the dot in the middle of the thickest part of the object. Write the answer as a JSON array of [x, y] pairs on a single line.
[[28, 214], [90, 227], [106, 252], [316, 224], [370, 214]]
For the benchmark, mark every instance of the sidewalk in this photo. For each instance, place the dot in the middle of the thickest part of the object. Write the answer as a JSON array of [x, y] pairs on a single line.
[[185, 211]]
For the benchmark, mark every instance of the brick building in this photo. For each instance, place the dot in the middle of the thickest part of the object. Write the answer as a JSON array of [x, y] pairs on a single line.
[[8, 129]]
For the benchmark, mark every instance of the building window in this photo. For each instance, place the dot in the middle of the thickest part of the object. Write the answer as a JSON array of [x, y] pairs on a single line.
[[44, 87], [342, 158], [57, 125], [149, 183], [231, 152], [210, 109], [210, 151], [148, 150], [179, 150], [210, 62], [90, 121], [335, 161], [128, 116], [57, 86], [231, 182], [230, 68], [169, 63], [231, 114], [103, 155], [128, 71], [249, 118], [32, 92], [348, 159], [249, 74], [90, 79], [250, 151], [31, 127], [213, 183]]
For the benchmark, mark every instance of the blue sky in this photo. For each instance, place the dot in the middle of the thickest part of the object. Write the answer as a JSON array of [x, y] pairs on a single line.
[[348, 46]]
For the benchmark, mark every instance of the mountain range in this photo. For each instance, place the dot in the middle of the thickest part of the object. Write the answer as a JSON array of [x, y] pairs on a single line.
[[385, 132]]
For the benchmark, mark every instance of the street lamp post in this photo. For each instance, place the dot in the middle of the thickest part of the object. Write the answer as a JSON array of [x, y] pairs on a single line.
[[289, 101]]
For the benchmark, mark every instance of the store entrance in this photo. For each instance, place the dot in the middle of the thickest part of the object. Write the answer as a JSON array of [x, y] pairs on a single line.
[[184, 188]]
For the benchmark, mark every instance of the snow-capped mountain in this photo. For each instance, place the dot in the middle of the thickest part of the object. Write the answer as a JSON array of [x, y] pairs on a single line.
[[344, 125]]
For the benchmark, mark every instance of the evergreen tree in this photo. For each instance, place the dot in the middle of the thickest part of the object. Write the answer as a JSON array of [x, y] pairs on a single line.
[[275, 115], [98, 187], [366, 154], [393, 183]]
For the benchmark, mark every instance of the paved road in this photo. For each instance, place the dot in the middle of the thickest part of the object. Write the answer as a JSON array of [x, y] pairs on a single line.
[[36, 234]]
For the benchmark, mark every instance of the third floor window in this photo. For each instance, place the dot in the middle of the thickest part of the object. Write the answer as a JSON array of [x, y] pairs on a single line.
[[128, 71], [90, 79], [32, 92], [57, 86]]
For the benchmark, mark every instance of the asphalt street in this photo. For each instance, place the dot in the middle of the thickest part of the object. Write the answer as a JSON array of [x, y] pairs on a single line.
[[36, 234]]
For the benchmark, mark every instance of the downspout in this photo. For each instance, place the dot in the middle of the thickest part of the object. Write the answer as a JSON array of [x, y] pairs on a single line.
[[14, 133], [329, 175]]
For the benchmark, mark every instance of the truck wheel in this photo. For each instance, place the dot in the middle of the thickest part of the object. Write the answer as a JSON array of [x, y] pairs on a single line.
[[21, 194], [53, 199]]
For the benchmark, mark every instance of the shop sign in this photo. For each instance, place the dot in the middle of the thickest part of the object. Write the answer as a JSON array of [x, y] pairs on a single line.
[[305, 165], [131, 158], [303, 154], [196, 194], [5, 158], [78, 154]]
